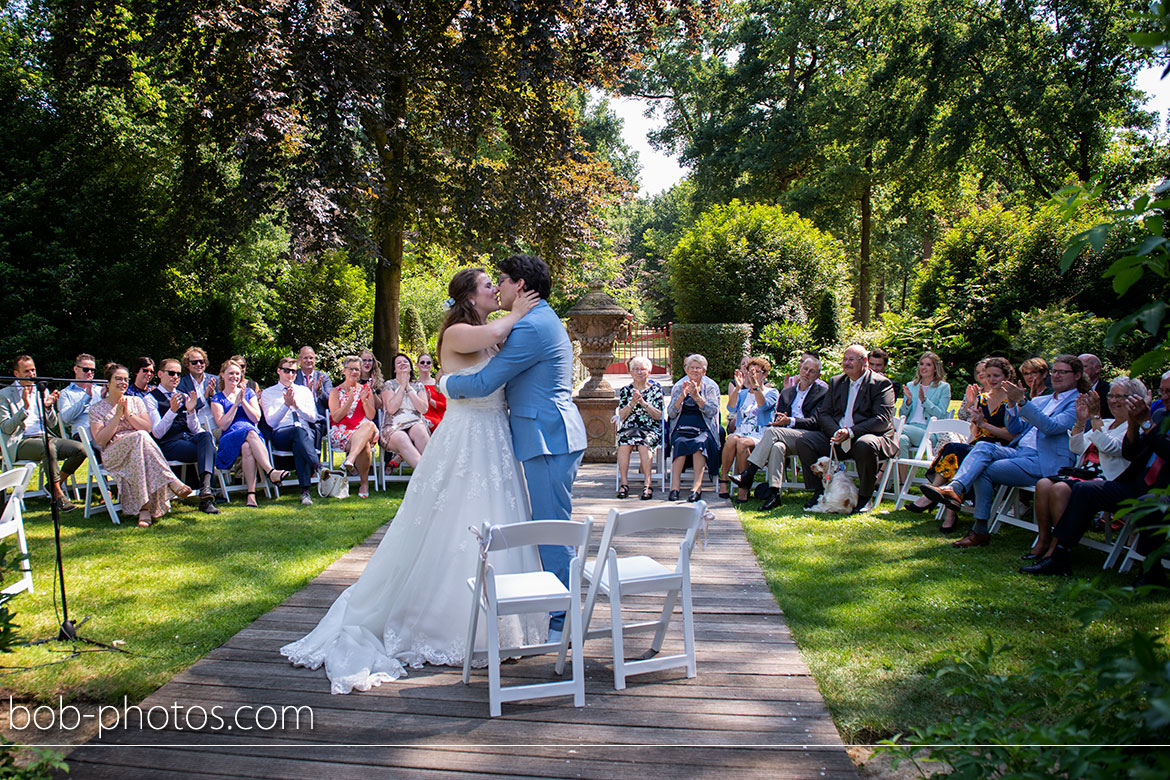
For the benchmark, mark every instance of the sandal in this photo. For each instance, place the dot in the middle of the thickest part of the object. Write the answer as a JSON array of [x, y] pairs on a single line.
[[145, 522], [350, 468], [363, 495], [724, 493], [623, 491], [283, 475], [250, 499], [647, 493], [182, 491]]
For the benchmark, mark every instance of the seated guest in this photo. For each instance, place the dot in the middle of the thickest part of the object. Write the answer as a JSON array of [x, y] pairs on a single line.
[[176, 428], [237, 411], [693, 424], [1034, 372], [795, 378], [353, 431], [1158, 410], [405, 400], [731, 392], [242, 362], [199, 382], [753, 405], [23, 429], [1097, 383], [291, 412], [120, 425], [438, 402], [141, 376], [857, 416], [798, 402], [74, 401], [639, 415], [372, 375], [879, 363], [1098, 443], [1041, 450], [973, 391], [1148, 451], [988, 418], [319, 384], [927, 396]]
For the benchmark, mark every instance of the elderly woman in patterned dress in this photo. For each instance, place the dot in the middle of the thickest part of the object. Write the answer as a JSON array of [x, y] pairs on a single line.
[[640, 417], [120, 425]]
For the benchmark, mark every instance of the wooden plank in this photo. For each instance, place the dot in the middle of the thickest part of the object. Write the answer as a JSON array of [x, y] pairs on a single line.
[[753, 711]]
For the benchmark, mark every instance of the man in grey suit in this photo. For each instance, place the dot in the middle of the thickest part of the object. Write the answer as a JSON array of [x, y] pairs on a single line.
[[857, 416], [797, 402]]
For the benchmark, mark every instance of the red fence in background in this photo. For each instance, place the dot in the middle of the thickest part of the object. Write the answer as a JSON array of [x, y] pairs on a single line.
[[650, 343]]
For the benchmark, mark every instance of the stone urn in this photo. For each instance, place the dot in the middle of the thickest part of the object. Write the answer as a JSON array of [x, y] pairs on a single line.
[[597, 322]]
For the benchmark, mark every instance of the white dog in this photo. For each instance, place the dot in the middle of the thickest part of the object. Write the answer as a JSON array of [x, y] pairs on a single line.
[[840, 495]]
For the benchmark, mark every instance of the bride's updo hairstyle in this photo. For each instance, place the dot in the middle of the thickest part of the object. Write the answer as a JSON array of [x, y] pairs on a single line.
[[462, 286]]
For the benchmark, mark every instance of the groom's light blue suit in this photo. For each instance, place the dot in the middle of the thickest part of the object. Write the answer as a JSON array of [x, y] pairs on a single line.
[[548, 435]]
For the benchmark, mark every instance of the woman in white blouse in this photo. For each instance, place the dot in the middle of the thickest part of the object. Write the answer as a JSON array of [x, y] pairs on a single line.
[[1097, 442]]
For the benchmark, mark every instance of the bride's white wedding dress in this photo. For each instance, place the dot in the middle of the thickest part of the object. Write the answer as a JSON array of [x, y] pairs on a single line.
[[411, 604]]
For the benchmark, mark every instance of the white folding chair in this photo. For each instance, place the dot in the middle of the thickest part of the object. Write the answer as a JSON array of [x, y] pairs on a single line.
[[9, 461], [889, 467], [539, 592], [657, 455], [12, 523], [97, 476], [617, 577], [926, 453], [1008, 508]]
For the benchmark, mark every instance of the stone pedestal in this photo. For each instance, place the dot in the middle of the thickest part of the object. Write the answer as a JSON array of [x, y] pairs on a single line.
[[597, 322]]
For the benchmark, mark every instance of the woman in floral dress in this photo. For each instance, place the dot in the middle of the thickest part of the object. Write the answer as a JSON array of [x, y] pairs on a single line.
[[120, 426], [640, 412]]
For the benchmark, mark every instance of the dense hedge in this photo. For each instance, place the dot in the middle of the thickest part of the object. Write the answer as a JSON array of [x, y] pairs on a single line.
[[723, 344], [755, 263]]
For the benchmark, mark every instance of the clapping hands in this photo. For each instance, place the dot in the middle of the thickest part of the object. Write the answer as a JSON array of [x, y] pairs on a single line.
[[1013, 392]]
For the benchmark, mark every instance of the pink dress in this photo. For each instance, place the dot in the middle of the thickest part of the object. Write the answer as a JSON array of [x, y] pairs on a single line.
[[340, 432], [143, 476]]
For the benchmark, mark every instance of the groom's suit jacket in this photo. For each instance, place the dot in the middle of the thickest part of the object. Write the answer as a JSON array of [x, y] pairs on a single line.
[[536, 364]]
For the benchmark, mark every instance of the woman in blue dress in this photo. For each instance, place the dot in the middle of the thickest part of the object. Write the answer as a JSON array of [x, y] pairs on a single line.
[[236, 409], [694, 424]]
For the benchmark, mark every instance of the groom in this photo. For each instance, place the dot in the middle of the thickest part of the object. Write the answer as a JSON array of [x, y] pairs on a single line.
[[536, 363]]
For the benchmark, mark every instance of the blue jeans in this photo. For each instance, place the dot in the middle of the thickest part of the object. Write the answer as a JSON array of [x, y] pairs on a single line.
[[550, 492], [988, 465]]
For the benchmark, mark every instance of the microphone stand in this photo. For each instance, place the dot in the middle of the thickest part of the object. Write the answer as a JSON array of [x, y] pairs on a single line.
[[68, 629]]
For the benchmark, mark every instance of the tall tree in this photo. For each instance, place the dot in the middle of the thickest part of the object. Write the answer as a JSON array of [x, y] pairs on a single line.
[[452, 120]]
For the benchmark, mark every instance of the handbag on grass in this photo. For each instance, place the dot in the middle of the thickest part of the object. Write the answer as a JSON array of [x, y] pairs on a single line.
[[333, 484]]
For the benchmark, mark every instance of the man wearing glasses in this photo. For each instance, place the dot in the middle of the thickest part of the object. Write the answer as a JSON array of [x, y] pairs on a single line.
[[319, 384], [23, 429], [1042, 427], [291, 412], [73, 404], [201, 383], [176, 429]]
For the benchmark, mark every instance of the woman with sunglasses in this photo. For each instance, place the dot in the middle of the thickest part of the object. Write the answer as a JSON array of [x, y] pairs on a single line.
[[248, 383], [120, 425], [201, 383], [237, 411], [428, 375], [141, 374]]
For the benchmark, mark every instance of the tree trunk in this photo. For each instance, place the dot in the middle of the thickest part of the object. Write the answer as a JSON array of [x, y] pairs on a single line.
[[863, 275], [388, 296]]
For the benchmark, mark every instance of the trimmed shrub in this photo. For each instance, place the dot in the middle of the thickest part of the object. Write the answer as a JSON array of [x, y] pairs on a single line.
[[413, 337], [723, 344], [829, 326], [753, 263]]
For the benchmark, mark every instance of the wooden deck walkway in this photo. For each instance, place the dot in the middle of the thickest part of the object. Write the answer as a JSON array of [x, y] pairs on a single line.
[[752, 712]]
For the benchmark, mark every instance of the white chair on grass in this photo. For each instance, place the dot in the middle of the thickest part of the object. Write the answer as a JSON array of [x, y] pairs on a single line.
[[540, 592], [12, 524], [9, 461], [618, 577], [926, 453], [97, 477], [657, 455]]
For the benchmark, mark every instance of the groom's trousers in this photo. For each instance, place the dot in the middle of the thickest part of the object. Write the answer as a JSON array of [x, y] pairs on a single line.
[[550, 492]]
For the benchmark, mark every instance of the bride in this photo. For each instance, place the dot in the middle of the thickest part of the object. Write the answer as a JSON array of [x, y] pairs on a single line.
[[410, 605]]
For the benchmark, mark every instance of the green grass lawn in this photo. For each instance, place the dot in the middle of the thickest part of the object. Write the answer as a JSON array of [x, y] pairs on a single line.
[[875, 600], [171, 593]]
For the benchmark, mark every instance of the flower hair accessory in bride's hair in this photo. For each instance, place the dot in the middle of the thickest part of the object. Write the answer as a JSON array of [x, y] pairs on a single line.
[[447, 304]]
